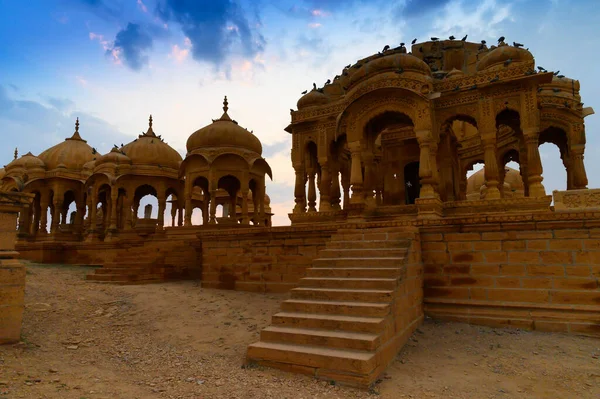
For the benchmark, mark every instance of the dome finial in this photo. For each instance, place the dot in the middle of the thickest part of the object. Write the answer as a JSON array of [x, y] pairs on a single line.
[[150, 121], [76, 135], [150, 132], [225, 105], [16, 153]]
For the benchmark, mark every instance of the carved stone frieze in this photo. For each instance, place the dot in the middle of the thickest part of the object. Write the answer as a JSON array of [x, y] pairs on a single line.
[[576, 200], [483, 78]]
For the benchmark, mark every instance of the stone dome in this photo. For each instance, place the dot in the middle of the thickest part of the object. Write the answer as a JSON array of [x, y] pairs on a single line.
[[115, 156], [397, 61], [501, 54], [513, 182], [149, 149], [27, 161], [312, 98], [89, 165], [223, 132], [71, 154]]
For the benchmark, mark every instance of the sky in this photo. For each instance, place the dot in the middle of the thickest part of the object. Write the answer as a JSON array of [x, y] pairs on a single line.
[[112, 63]]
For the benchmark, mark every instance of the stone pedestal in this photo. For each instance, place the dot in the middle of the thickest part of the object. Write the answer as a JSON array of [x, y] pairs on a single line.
[[12, 271]]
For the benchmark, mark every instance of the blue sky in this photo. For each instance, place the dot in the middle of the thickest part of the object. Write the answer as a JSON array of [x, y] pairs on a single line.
[[111, 63]]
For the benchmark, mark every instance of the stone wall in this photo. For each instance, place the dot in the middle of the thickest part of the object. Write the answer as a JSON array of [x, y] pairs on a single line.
[[262, 259], [537, 275]]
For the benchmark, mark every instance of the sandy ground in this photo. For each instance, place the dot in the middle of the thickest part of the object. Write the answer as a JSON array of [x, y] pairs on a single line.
[[177, 340]]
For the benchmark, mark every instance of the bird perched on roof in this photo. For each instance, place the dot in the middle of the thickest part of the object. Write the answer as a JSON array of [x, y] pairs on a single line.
[[501, 39], [304, 92], [402, 44], [451, 38], [464, 39], [560, 76], [517, 45], [347, 66], [435, 39], [386, 47], [482, 45], [414, 41], [556, 73], [314, 86], [94, 151], [328, 81], [495, 79], [508, 62], [541, 69]]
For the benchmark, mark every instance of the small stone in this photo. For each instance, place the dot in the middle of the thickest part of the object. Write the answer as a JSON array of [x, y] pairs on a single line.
[[53, 370], [73, 347], [200, 382]]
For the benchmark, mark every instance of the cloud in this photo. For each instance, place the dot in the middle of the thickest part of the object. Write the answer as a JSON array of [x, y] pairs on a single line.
[[142, 6], [416, 8], [215, 29], [178, 53], [314, 25], [132, 43], [481, 19], [31, 126]]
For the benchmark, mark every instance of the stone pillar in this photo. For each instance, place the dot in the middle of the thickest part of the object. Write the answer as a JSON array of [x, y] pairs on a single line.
[[534, 164], [312, 192], [491, 169], [12, 271], [43, 214], [579, 176], [80, 214], [114, 196], [135, 210], [300, 190], [127, 203], [425, 164], [179, 215], [335, 191], [325, 187], [213, 205], [56, 205], [173, 213], [369, 183], [162, 204], [188, 212], [245, 217], [261, 201], [356, 175]]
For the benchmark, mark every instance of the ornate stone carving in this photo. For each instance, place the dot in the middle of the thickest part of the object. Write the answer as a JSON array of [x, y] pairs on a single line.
[[577, 200]]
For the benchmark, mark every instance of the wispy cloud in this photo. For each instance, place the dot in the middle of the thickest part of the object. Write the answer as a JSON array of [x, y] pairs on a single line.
[[131, 46], [142, 6]]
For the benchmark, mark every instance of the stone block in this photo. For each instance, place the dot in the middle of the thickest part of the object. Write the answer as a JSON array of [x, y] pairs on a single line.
[[462, 236], [536, 282], [524, 257], [565, 245], [556, 258], [518, 295], [536, 245], [545, 270]]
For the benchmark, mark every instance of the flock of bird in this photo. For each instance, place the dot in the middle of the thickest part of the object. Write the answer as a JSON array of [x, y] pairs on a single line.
[[386, 48]]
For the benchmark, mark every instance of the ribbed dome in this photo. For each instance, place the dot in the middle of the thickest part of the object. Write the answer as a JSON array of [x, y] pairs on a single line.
[[149, 149], [27, 161], [223, 132], [115, 156], [312, 98], [397, 61], [502, 54], [89, 166], [72, 153]]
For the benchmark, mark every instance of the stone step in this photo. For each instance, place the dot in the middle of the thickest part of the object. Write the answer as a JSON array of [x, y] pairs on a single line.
[[314, 357], [327, 338], [358, 253], [369, 235], [350, 283], [381, 261], [329, 322], [367, 244], [335, 294], [353, 272], [129, 270], [368, 309]]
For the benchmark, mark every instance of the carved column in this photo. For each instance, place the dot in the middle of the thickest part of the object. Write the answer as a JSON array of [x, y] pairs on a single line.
[[127, 208], [325, 187], [114, 196], [579, 176], [212, 188], [261, 201], [300, 189], [44, 200], [491, 168], [425, 164], [92, 219], [356, 176], [433, 164], [80, 205], [335, 190], [534, 164], [173, 213], [162, 204], [245, 217], [312, 192], [56, 206], [369, 179]]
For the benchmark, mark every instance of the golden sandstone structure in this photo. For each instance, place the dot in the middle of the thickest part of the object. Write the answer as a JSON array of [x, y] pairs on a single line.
[[386, 225]]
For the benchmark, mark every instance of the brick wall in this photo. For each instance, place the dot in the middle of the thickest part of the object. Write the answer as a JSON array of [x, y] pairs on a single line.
[[535, 275], [260, 260]]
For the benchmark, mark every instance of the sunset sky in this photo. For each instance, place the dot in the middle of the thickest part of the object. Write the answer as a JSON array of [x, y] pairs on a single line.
[[112, 63]]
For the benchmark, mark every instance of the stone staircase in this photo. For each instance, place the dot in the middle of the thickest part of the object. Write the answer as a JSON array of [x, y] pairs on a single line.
[[135, 265], [341, 322]]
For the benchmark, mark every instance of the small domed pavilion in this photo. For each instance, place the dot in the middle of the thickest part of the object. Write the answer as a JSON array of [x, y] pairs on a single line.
[[224, 165]]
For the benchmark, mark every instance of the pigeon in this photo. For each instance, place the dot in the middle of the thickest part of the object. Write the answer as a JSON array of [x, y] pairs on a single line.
[[314, 86], [328, 81], [94, 151], [386, 48], [556, 73], [501, 39], [304, 92], [517, 45], [291, 110], [414, 41], [434, 39], [464, 39], [451, 38], [541, 69], [560, 76], [495, 79], [347, 66], [508, 62], [401, 45], [121, 144]]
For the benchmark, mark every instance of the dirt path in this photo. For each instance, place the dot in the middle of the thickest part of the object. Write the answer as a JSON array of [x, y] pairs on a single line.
[[177, 340]]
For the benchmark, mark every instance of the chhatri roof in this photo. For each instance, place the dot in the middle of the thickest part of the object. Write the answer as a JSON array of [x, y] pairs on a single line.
[[150, 150], [223, 132], [71, 154]]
